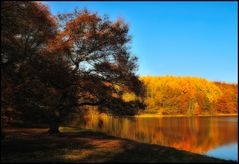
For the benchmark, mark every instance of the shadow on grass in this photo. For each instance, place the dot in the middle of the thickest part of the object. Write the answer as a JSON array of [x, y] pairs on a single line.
[[34, 145]]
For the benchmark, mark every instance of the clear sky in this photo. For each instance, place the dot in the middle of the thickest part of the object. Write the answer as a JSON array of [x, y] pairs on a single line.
[[176, 38]]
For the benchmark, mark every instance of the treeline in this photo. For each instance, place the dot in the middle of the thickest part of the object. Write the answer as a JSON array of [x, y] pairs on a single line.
[[169, 95]]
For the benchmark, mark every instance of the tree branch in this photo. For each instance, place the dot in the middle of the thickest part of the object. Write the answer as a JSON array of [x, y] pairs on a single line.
[[92, 103]]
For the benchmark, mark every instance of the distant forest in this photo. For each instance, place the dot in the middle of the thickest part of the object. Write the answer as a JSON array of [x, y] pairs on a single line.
[[169, 95]]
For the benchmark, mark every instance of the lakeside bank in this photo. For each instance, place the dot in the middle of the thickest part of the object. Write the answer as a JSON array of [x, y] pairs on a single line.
[[80, 145]]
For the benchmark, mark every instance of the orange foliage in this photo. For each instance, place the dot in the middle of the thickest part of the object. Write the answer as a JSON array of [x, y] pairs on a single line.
[[228, 101], [188, 95]]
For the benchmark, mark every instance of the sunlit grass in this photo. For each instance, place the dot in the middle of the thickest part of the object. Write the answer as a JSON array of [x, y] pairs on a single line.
[[65, 129]]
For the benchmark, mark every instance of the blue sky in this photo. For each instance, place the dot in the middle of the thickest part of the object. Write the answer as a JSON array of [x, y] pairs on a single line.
[[176, 38]]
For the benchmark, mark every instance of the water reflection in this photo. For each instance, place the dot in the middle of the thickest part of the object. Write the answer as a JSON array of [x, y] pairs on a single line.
[[195, 134]]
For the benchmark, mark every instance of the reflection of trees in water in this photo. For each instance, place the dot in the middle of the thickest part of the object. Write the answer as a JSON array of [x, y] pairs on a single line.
[[192, 134]]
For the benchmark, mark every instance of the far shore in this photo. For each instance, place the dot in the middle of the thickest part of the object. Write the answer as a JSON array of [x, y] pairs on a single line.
[[200, 115]]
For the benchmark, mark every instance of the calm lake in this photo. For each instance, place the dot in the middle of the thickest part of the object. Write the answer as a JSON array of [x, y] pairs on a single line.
[[212, 136]]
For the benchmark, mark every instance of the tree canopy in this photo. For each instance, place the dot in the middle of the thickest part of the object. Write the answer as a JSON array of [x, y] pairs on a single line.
[[53, 66]]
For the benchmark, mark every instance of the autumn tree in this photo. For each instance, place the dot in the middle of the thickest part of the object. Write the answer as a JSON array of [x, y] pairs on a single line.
[[98, 50], [25, 29], [228, 101], [51, 71]]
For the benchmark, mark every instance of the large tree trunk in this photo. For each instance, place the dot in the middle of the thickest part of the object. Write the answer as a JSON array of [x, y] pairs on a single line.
[[54, 129], [2, 135], [54, 124]]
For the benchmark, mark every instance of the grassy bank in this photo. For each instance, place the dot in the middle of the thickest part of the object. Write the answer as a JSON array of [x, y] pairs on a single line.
[[34, 145]]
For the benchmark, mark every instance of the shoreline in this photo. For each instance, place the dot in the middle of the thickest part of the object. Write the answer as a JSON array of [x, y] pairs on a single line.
[[201, 115], [87, 146]]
